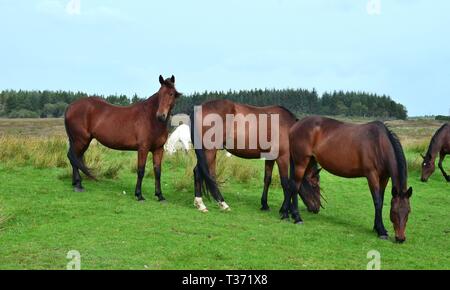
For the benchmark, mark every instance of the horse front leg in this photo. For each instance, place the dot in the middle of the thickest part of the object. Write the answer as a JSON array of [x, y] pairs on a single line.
[[157, 159], [441, 167], [142, 160], [377, 189], [267, 181]]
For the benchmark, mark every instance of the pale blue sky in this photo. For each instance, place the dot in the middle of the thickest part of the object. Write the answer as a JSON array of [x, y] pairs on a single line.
[[122, 46]]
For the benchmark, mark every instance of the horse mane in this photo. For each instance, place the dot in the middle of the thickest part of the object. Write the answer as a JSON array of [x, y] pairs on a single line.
[[168, 83], [399, 157], [289, 112], [434, 139]]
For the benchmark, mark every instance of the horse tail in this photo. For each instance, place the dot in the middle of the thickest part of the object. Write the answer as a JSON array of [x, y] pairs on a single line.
[[73, 158], [202, 166]]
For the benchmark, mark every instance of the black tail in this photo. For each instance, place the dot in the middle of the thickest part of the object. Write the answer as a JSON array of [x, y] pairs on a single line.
[[73, 158], [202, 166]]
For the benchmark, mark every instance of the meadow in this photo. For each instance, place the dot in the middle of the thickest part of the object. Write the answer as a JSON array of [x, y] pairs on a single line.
[[42, 219]]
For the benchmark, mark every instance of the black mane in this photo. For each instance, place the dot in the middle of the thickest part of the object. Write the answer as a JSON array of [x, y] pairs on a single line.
[[290, 113], [433, 140], [168, 83], [399, 157]]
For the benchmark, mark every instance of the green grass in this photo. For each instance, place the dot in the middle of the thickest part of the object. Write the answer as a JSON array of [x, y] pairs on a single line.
[[42, 219], [113, 231]]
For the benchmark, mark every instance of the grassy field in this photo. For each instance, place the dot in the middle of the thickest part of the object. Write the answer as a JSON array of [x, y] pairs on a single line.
[[42, 219]]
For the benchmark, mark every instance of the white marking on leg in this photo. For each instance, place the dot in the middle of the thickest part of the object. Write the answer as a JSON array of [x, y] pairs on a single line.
[[198, 203], [224, 206]]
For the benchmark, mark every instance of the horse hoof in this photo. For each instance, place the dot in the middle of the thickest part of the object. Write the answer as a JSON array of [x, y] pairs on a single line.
[[284, 218], [265, 208], [78, 189], [384, 237], [140, 198], [162, 200], [224, 206], [299, 223]]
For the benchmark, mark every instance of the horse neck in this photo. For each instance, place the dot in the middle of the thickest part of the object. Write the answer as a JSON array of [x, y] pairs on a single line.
[[397, 164], [151, 105], [395, 175], [436, 145]]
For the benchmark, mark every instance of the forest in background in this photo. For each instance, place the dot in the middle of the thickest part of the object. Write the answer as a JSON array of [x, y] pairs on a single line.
[[52, 104]]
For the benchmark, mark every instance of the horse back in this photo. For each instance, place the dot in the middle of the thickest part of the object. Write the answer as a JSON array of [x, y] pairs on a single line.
[[348, 150], [121, 128]]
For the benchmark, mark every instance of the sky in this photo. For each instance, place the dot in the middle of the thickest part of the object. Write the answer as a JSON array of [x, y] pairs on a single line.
[[400, 48]]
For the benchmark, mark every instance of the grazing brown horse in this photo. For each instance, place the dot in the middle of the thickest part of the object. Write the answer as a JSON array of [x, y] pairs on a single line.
[[440, 144], [141, 127], [235, 128], [351, 151]]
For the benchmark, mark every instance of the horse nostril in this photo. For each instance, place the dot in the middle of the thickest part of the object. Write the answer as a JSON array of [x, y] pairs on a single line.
[[162, 117]]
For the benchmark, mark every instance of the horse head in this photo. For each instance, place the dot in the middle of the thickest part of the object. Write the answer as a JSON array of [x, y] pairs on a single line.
[[167, 96]]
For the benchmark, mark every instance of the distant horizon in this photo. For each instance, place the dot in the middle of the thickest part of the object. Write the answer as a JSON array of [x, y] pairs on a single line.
[[130, 96], [393, 48]]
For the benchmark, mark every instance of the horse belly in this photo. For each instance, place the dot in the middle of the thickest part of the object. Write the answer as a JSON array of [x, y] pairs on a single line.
[[247, 154], [116, 139], [340, 161]]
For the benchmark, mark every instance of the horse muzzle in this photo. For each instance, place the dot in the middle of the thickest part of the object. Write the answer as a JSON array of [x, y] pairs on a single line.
[[400, 240], [161, 117]]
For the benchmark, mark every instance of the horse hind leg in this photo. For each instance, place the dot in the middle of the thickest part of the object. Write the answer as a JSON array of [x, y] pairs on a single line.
[[211, 158], [267, 181], [290, 203], [79, 148], [198, 201]]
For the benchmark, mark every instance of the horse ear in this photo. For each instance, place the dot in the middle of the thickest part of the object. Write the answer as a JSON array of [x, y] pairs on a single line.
[[409, 193], [172, 79], [423, 156], [161, 80]]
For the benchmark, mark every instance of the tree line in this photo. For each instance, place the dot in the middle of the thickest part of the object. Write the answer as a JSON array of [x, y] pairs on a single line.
[[47, 104]]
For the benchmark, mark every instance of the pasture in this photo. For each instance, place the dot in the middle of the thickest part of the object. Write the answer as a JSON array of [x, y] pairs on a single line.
[[42, 219]]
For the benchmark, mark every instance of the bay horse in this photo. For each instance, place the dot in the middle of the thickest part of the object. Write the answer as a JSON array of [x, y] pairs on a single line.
[[248, 125], [348, 150], [141, 127], [440, 144]]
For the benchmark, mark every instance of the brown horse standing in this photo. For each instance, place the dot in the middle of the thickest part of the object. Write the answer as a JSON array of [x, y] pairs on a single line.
[[440, 144], [350, 151], [252, 118], [141, 127]]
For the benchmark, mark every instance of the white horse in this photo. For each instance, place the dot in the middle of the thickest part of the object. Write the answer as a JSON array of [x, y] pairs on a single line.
[[180, 138]]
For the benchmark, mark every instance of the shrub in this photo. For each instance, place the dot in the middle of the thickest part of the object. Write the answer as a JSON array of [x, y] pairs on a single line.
[[22, 113], [443, 118]]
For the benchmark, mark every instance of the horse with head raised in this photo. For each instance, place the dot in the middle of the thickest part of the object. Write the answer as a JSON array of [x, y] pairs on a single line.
[[348, 150], [248, 132], [141, 127], [440, 144]]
